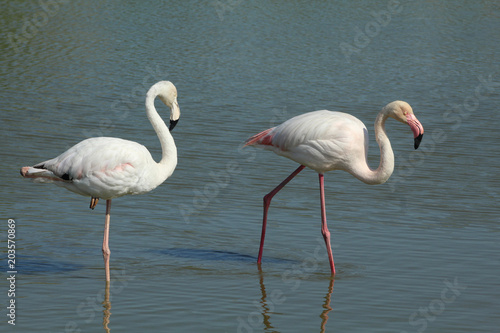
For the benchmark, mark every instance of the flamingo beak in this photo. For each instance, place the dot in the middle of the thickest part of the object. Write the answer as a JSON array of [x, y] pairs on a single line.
[[417, 140], [172, 124], [416, 128], [174, 115]]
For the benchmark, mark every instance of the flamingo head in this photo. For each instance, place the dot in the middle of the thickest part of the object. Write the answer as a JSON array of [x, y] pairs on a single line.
[[167, 93], [402, 111]]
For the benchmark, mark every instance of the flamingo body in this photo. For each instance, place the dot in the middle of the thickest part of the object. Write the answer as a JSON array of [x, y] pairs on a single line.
[[321, 140], [102, 167]]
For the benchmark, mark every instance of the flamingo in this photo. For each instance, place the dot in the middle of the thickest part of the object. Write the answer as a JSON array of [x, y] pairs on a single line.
[[329, 140], [108, 168]]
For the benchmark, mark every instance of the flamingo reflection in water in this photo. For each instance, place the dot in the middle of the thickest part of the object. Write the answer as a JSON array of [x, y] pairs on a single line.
[[277, 297]]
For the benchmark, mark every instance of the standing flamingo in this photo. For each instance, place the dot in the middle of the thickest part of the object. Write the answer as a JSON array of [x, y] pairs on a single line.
[[328, 140], [109, 168]]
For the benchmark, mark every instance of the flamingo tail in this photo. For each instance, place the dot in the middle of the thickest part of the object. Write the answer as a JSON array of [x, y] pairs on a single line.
[[263, 138], [40, 175]]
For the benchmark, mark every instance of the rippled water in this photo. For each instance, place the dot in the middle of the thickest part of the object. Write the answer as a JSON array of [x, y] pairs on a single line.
[[419, 253]]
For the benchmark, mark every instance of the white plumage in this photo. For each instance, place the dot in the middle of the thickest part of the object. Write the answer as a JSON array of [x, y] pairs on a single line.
[[328, 140], [321, 140], [109, 168], [102, 167]]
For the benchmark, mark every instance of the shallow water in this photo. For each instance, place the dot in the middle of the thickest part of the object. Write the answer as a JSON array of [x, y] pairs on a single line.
[[419, 253]]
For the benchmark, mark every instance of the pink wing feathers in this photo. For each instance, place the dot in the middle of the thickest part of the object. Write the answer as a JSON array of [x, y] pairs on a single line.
[[263, 138]]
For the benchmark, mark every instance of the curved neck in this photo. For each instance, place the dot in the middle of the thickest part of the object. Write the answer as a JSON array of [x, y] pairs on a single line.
[[386, 165], [168, 149]]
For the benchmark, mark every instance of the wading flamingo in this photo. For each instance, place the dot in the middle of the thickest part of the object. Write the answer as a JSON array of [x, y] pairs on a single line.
[[109, 168], [328, 140]]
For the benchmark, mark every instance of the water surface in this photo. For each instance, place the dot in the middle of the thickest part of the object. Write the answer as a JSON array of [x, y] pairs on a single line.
[[419, 253]]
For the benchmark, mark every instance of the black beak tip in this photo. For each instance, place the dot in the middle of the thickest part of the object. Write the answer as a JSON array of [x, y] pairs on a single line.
[[172, 124], [417, 140]]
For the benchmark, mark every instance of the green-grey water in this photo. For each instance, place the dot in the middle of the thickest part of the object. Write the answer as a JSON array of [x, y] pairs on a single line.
[[417, 254]]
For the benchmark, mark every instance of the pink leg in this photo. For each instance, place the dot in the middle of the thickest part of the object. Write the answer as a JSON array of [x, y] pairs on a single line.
[[324, 228], [105, 243], [267, 202]]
